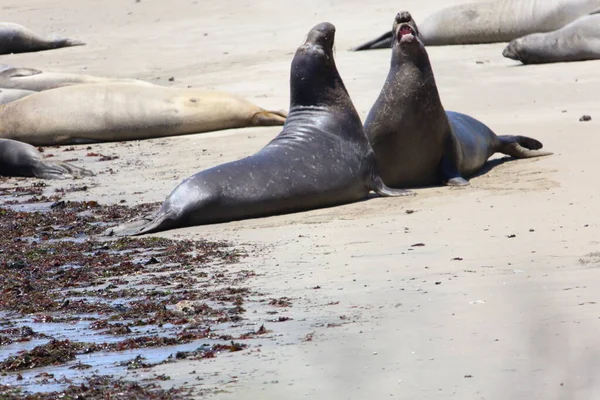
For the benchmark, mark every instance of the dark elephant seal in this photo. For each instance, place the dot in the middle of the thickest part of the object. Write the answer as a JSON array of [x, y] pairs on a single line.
[[493, 21], [577, 41], [321, 158], [416, 142], [36, 80], [110, 112], [22, 159], [8, 95], [15, 38]]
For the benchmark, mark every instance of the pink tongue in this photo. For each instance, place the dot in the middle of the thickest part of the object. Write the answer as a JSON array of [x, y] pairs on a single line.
[[405, 31]]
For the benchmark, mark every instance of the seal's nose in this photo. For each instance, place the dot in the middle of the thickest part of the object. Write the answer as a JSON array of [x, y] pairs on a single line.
[[322, 34], [403, 16]]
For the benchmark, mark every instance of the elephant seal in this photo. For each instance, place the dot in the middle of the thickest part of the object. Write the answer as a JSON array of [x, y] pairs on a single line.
[[416, 142], [36, 80], [493, 21], [577, 41], [8, 95], [321, 158], [22, 159], [108, 112], [15, 38]]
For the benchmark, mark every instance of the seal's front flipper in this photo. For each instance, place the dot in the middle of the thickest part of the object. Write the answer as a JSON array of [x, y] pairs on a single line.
[[381, 189], [449, 166], [521, 147], [382, 42], [269, 118]]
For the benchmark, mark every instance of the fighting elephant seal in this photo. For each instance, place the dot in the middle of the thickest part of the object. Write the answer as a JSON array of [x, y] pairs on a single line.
[[22, 159], [416, 142], [15, 38], [36, 80], [493, 21], [577, 41], [108, 112], [8, 95], [320, 159]]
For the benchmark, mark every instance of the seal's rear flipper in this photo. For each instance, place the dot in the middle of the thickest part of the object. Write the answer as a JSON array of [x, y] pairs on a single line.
[[269, 118], [521, 147], [68, 43], [382, 42], [146, 224], [59, 170], [385, 191]]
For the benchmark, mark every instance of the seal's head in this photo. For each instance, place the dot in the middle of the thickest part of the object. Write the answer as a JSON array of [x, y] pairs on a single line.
[[314, 77], [406, 43], [512, 50]]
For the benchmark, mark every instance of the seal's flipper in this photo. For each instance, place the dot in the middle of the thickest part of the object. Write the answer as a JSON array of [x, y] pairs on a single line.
[[68, 43], [147, 224], [269, 118], [382, 42], [385, 191], [521, 147], [58, 170], [19, 72], [449, 166]]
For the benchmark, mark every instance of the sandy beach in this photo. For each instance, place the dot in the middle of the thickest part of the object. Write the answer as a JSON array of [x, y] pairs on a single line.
[[484, 292]]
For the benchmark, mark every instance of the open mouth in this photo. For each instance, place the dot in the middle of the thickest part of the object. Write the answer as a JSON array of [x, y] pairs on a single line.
[[406, 31]]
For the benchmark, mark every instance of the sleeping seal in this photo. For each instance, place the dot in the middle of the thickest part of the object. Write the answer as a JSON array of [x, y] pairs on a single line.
[[22, 159], [15, 38]]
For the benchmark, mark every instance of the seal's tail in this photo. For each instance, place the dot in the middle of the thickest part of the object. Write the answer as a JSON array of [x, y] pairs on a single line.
[[59, 170], [382, 42], [521, 147], [269, 118], [147, 224]]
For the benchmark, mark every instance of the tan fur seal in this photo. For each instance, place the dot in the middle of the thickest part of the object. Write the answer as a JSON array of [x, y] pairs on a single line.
[[15, 38], [106, 112], [321, 158], [415, 141], [8, 95], [577, 41], [22, 159], [33, 79], [493, 21]]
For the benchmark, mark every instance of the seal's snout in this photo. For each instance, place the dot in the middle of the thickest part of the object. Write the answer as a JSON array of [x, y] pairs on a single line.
[[403, 16], [509, 51], [322, 35], [405, 28]]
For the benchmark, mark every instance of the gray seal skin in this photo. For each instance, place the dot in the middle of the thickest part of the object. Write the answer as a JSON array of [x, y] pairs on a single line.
[[15, 38], [577, 41], [22, 159], [321, 158], [8, 95], [36, 80], [416, 142], [493, 21]]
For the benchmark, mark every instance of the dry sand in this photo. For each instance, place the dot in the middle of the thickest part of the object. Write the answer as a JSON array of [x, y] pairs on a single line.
[[501, 302]]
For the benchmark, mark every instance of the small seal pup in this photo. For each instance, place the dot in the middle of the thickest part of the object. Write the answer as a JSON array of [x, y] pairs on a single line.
[[577, 41], [22, 159], [8, 95], [416, 142], [36, 80], [110, 112], [15, 38], [321, 158], [493, 21]]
